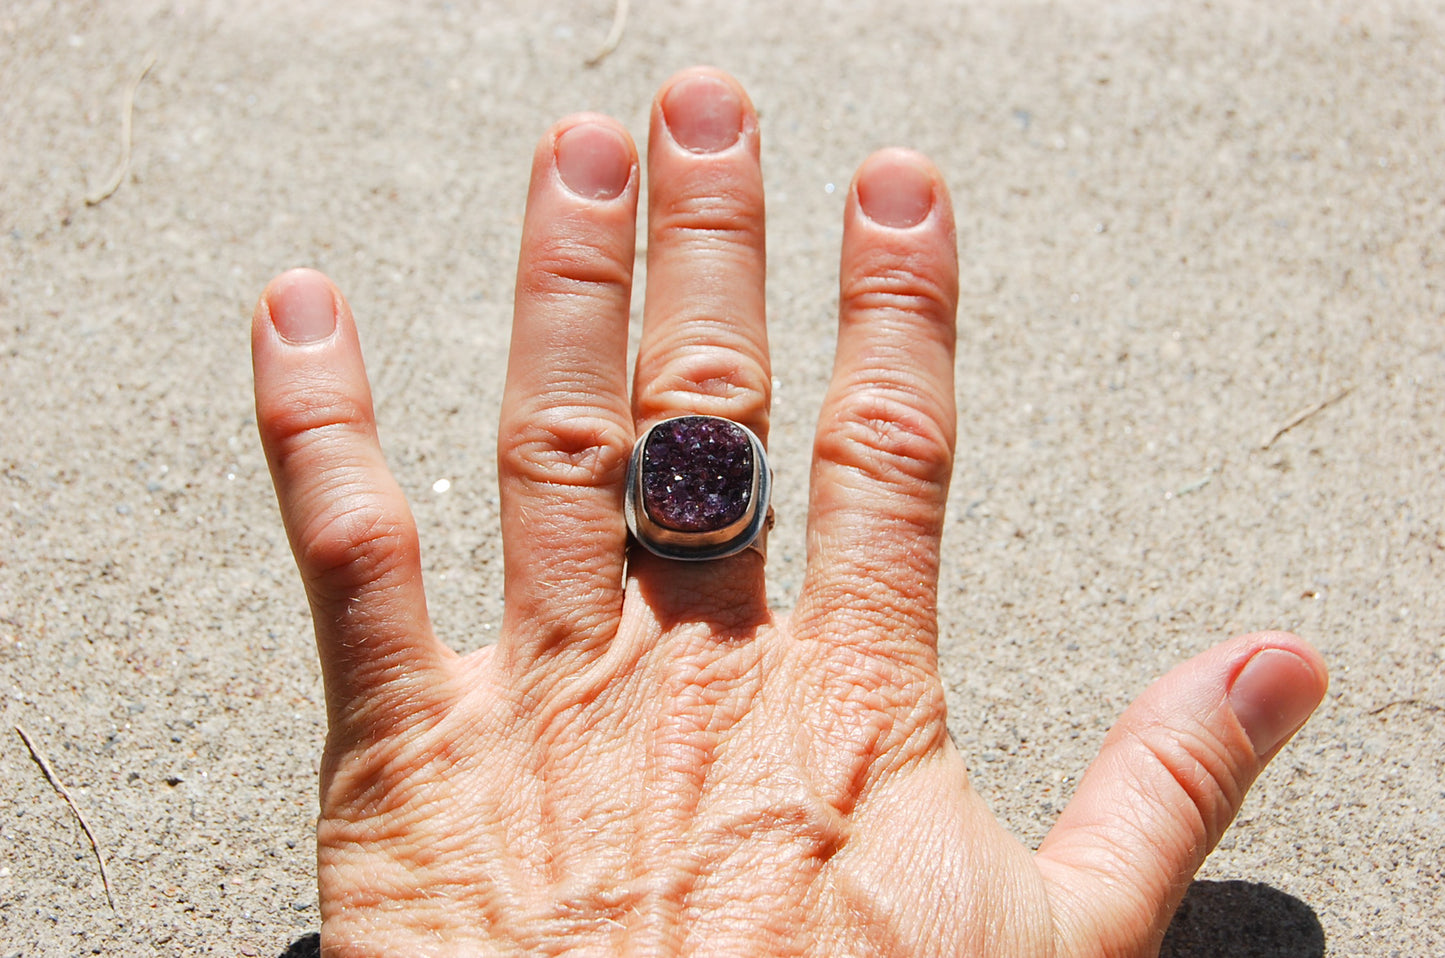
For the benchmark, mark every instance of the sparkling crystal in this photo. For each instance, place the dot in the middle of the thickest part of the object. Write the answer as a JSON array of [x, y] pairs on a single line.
[[697, 474]]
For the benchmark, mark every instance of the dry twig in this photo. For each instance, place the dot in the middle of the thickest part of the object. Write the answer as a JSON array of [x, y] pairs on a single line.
[[127, 108], [55, 783], [614, 34], [1427, 706], [1304, 414]]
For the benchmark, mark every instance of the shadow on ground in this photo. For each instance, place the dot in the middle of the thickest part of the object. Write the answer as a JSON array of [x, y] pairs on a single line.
[[307, 947], [1241, 919], [1237, 919]]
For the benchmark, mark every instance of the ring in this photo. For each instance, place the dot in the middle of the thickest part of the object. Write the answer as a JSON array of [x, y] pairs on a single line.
[[698, 488]]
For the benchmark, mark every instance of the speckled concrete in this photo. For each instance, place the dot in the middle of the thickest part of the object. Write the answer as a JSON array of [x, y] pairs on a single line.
[[1179, 230]]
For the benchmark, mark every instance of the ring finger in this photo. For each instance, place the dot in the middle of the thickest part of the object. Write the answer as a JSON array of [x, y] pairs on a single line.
[[704, 343]]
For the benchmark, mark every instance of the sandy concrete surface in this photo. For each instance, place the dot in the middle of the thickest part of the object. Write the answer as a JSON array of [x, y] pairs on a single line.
[[1183, 229]]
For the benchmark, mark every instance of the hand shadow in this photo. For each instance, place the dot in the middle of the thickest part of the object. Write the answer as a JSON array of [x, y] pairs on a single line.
[[307, 946], [1217, 919], [1242, 919]]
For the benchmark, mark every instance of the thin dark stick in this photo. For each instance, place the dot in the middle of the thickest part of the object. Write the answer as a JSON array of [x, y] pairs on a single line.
[[55, 783], [1427, 706]]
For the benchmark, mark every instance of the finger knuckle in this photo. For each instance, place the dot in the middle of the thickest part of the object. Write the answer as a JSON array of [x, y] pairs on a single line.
[[882, 432], [721, 217], [713, 381], [1198, 766], [906, 287], [359, 540], [562, 447], [298, 419], [560, 267]]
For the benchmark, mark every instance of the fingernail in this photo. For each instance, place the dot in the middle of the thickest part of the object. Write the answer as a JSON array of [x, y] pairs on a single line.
[[895, 191], [703, 113], [302, 308], [1272, 696], [594, 161]]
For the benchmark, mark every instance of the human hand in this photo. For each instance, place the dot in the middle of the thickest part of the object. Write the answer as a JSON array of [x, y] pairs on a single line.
[[649, 761]]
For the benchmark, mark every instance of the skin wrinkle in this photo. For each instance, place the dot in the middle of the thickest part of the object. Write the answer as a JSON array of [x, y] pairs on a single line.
[[709, 215], [432, 897], [573, 265], [1115, 865], [873, 436], [869, 920], [891, 322], [725, 377], [397, 674], [901, 282], [1075, 919], [345, 477], [561, 447], [378, 775], [399, 695], [893, 367], [712, 267], [730, 606], [1206, 789], [872, 733], [841, 758], [687, 716], [343, 491], [573, 609], [584, 631], [721, 906], [370, 636], [573, 378], [677, 787], [577, 373], [709, 337], [574, 670], [768, 817], [878, 917], [603, 710], [569, 587], [394, 893], [689, 372], [355, 545], [893, 628], [322, 422], [882, 578], [892, 370]]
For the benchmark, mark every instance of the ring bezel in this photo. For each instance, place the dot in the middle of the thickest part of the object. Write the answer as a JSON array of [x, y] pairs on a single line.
[[743, 533]]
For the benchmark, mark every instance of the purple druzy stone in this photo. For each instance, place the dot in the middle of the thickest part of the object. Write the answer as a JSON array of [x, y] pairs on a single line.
[[697, 474]]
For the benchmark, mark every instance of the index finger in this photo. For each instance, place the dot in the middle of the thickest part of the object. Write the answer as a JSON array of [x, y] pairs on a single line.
[[350, 529]]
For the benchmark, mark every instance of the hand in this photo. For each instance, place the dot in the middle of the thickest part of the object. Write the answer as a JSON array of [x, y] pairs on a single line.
[[649, 761]]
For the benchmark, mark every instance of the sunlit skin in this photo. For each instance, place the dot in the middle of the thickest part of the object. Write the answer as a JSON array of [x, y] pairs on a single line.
[[649, 761]]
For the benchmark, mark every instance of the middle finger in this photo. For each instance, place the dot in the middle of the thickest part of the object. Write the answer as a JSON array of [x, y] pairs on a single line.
[[704, 341], [704, 348]]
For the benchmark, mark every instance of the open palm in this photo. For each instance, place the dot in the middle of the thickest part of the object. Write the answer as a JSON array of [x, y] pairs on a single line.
[[650, 761]]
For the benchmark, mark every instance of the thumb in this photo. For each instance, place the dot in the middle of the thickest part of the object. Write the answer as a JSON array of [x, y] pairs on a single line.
[[1169, 779]]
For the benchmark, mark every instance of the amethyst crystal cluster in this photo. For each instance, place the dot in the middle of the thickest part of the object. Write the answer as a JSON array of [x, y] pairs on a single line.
[[697, 474]]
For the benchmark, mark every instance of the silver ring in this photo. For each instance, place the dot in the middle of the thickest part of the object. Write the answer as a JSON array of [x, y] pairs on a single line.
[[699, 488]]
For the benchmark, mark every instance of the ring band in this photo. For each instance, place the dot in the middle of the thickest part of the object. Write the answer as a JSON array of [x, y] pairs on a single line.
[[699, 488]]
